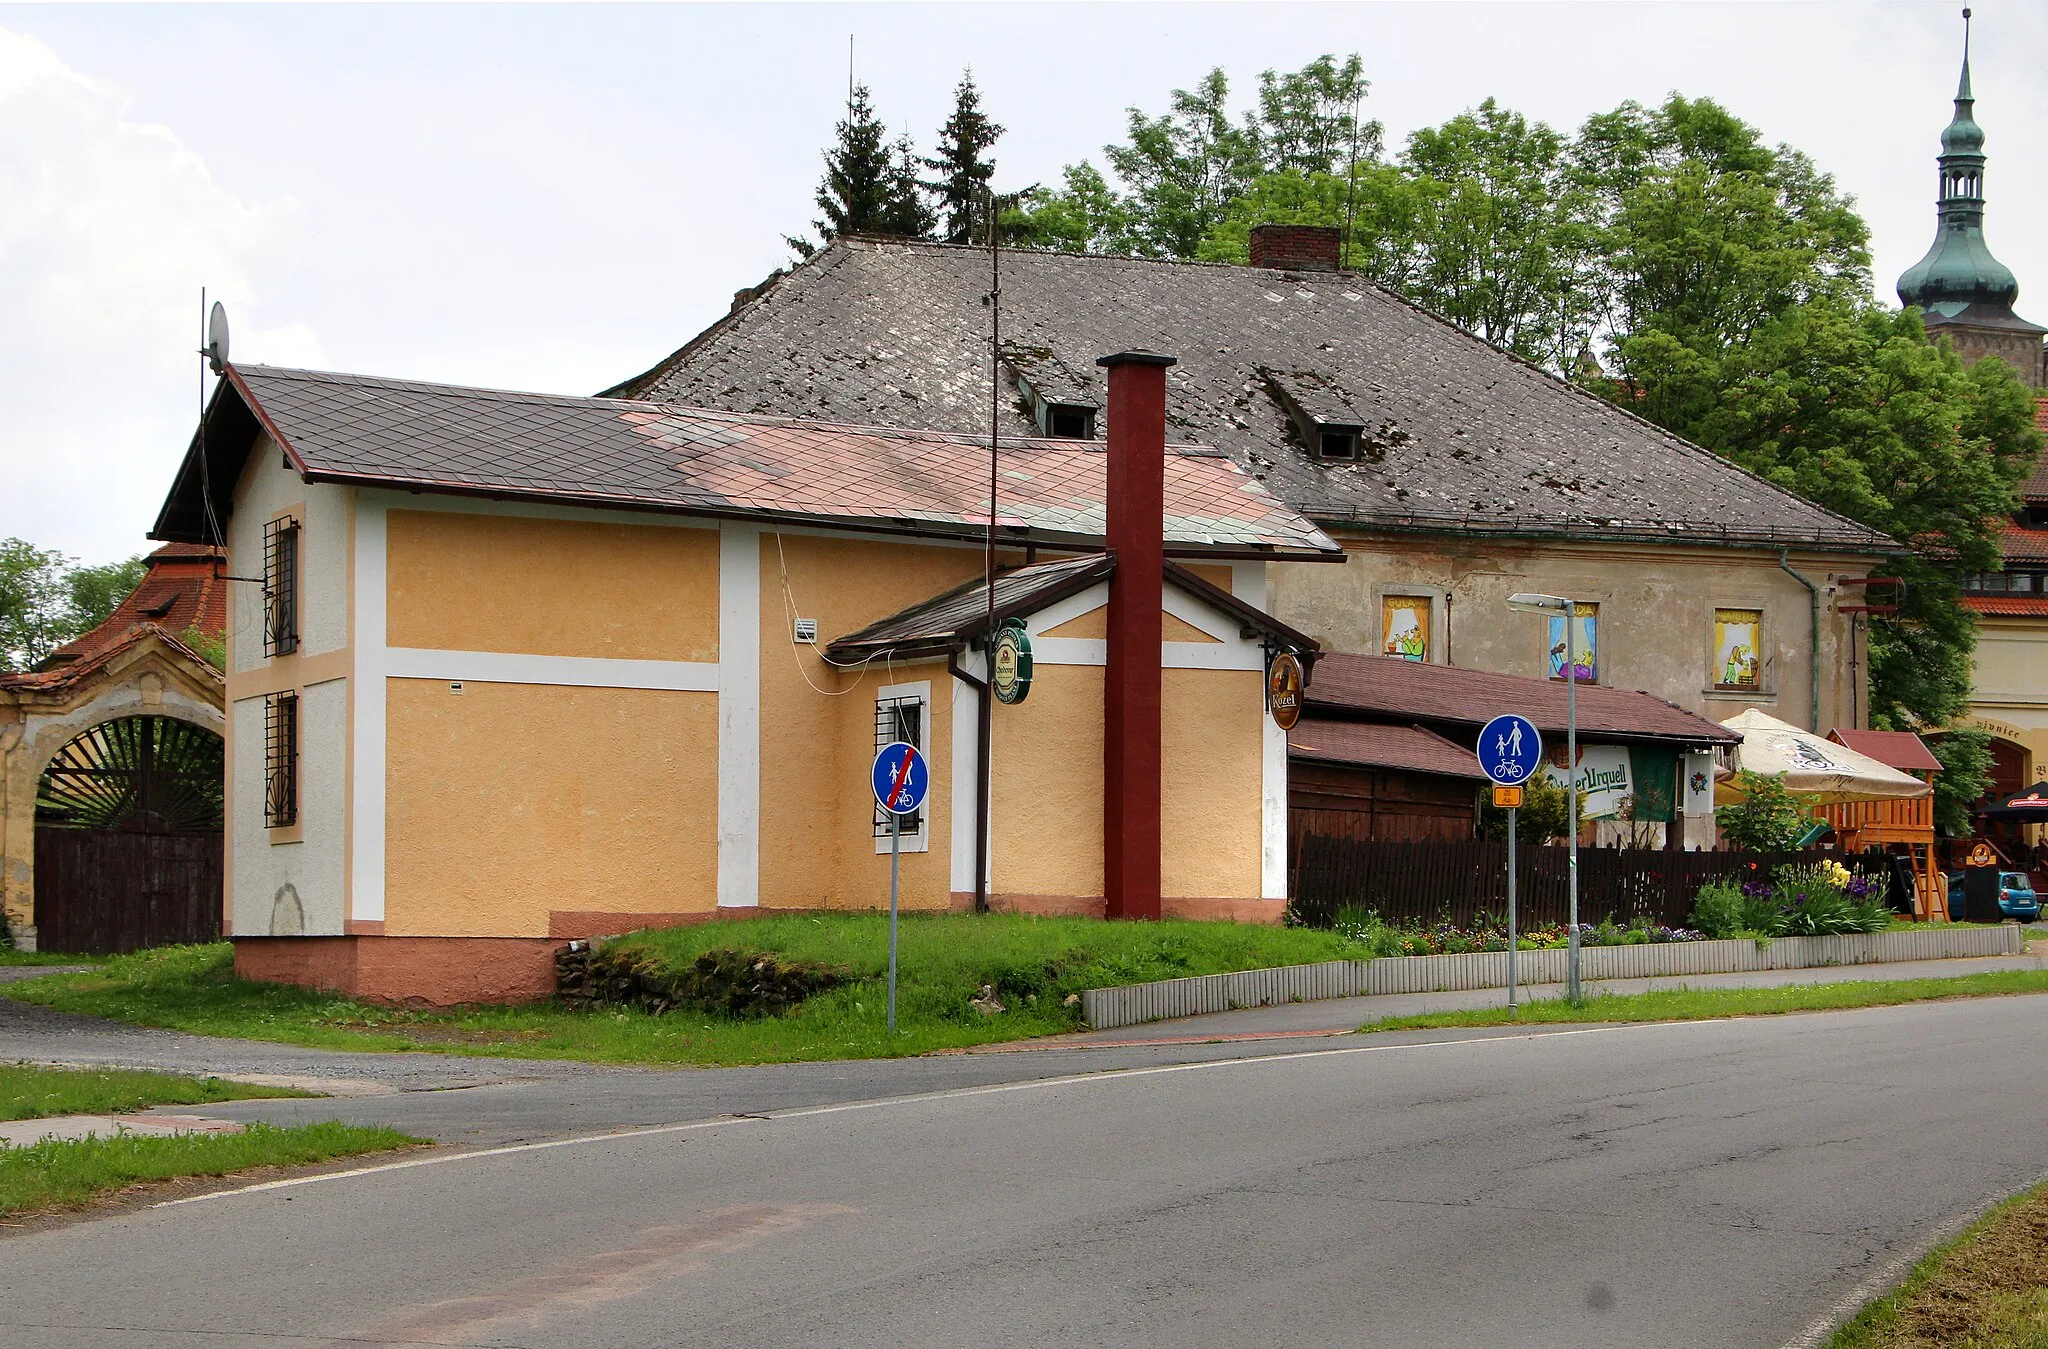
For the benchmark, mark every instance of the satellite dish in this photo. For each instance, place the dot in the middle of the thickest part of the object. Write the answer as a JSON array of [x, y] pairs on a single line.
[[217, 338]]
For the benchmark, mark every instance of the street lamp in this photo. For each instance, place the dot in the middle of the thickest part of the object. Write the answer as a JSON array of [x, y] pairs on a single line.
[[1557, 604]]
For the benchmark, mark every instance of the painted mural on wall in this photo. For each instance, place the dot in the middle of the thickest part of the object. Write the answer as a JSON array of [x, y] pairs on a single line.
[[1603, 775], [1404, 627], [1738, 637], [1585, 643]]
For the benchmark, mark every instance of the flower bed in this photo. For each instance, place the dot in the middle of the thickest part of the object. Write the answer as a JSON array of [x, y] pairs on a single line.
[[1382, 939]]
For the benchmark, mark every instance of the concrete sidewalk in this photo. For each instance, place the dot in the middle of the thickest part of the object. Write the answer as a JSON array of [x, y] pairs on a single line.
[[1338, 1016], [21, 1133]]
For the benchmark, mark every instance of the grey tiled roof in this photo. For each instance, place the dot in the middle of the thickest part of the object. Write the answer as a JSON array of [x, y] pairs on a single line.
[[947, 620], [1459, 434], [607, 451]]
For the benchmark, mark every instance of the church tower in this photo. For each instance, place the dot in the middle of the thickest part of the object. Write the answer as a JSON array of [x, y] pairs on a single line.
[[1964, 293]]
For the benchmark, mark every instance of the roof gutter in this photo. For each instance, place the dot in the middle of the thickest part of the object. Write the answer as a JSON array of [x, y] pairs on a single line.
[[1813, 650], [1362, 524]]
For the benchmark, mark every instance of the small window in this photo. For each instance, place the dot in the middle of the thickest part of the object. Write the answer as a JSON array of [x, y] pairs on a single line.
[[901, 713], [2021, 582], [281, 760], [1994, 582], [1069, 422], [281, 587], [1337, 443], [1738, 647]]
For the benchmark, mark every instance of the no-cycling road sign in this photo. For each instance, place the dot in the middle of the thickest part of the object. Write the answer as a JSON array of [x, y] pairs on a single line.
[[901, 778], [1510, 750]]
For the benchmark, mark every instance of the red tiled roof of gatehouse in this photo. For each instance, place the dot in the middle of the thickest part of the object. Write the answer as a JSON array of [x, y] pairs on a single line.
[[2008, 606], [2035, 488], [2024, 545], [184, 589]]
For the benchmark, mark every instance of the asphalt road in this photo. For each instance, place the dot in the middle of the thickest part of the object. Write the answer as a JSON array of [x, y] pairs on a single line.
[[1720, 1183]]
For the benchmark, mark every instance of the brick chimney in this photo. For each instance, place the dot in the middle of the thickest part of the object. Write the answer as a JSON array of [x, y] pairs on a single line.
[[1297, 248], [1136, 535]]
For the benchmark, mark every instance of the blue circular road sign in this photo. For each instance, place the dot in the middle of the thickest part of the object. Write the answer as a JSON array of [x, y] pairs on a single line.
[[1510, 750], [901, 778]]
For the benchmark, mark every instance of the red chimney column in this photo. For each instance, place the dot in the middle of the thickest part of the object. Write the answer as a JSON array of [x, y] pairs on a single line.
[[1136, 535]]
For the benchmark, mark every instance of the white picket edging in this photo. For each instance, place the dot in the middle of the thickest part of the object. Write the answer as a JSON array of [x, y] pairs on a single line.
[[1108, 1008]]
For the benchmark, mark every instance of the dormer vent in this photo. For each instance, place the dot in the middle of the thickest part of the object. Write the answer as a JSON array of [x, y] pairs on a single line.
[[1328, 421], [1338, 442], [1063, 406]]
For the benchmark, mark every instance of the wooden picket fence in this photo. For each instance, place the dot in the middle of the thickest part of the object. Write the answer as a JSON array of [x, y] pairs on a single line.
[[1466, 882]]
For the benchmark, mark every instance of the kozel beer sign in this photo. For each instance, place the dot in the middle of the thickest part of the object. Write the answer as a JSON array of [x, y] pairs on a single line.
[[1283, 690]]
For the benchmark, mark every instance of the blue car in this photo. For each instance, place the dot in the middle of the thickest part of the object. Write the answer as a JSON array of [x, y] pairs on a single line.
[[2016, 897]]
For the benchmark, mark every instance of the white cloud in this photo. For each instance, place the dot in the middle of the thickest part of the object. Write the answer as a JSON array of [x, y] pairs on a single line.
[[108, 228]]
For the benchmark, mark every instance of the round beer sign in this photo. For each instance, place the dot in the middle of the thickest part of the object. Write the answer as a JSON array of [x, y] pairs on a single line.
[[1283, 690], [1010, 664]]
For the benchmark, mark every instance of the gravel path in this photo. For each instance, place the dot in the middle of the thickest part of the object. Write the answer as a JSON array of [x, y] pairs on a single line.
[[29, 1033]]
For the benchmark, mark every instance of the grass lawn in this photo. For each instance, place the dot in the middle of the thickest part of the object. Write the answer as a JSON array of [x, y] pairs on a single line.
[[59, 1174], [9, 956], [1035, 963], [1987, 1289], [1696, 1004], [36, 1093]]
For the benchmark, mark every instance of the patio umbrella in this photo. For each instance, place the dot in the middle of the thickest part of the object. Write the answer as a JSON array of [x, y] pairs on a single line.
[[1814, 767], [2031, 804]]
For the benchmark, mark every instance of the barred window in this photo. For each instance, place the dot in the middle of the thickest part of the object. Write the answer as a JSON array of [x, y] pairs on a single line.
[[281, 586], [900, 715], [281, 759]]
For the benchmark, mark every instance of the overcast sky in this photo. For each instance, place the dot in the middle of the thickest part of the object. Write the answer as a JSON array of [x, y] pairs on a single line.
[[553, 197]]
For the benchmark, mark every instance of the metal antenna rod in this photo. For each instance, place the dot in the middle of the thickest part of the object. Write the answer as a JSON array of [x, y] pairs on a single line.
[[1350, 193]]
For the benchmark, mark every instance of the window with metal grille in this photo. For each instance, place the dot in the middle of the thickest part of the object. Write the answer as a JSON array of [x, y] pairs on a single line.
[[281, 587], [281, 760], [900, 717]]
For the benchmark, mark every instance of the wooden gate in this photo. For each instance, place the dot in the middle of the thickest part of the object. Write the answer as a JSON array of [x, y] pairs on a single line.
[[128, 838], [107, 891]]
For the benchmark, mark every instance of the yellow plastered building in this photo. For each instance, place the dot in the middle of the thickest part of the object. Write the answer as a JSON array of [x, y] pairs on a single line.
[[506, 670]]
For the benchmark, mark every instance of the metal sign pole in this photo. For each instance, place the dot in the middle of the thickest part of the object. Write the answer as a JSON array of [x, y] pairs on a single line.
[[895, 872], [1512, 813], [1571, 773]]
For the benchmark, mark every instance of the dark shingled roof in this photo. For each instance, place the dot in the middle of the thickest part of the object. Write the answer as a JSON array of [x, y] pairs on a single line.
[[1383, 688], [948, 621], [612, 452], [1323, 740], [1459, 435]]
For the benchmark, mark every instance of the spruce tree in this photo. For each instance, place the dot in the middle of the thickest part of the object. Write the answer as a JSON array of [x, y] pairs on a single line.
[[855, 194], [907, 212], [962, 166]]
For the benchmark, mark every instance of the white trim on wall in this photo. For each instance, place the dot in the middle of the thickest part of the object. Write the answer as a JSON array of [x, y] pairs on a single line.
[[966, 742], [444, 504], [366, 852], [591, 672], [1235, 654], [1272, 808], [737, 677]]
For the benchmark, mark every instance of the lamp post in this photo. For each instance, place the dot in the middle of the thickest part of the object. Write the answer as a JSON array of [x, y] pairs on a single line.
[[1559, 604]]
